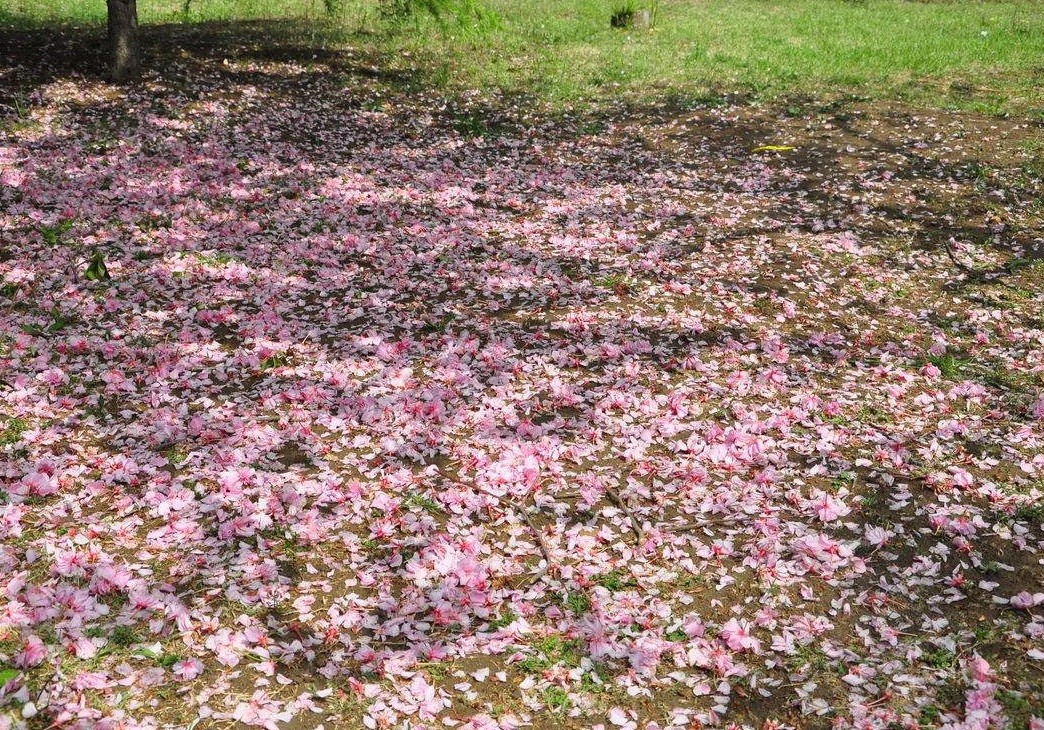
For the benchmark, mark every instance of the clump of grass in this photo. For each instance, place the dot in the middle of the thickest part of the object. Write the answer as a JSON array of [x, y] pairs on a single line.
[[215, 259], [1030, 512], [557, 699], [124, 636], [505, 619], [811, 658], [1018, 708], [578, 602], [615, 580], [929, 716], [984, 633], [553, 650], [278, 360], [53, 235], [940, 658], [427, 504], [949, 366], [177, 455], [676, 635], [844, 480], [620, 284], [369, 545], [623, 15], [470, 124], [11, 430]]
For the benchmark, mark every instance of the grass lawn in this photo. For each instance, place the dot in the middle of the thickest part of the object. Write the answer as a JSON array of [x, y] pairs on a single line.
[[982, 56]]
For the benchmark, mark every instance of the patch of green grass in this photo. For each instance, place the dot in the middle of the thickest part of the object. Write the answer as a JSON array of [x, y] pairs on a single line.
[[53, 235], [534, 664], [556, 699], [280, 359], [1005, 379], [870, 499], [11, 430], [870, 413], [617, 282], [162, 658], [984, 633], [976, 55], [991, 567], [427, 504], [615, 580], [940, 658], [1027, 512], [578, 602], [177, 455], [950, 367], [344, 701], [691, 582], [553, 650], [505, 619], [471, 125], [1018, 709], [1034, 266], [811, 658], [953, 367], [369, 545], [844, 480], [123, 636], [436, 670], [215, 259], [929, 716], [676, 635], [879, 47]]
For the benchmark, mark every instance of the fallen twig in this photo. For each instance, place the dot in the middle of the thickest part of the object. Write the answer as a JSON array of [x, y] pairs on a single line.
[[981, 275], [690, 526], [541, 543], [635, 524], [953, 257]]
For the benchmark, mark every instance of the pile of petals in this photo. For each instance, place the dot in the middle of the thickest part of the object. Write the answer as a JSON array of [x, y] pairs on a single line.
[[371, 421]]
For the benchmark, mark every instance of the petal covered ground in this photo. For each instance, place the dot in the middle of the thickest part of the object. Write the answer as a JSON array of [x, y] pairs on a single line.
[[400, 415]]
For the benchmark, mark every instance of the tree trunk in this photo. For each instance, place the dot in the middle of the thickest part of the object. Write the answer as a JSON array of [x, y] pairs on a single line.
[[123, 38]]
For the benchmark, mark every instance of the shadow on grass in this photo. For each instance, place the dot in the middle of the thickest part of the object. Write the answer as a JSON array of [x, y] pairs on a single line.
[[36, 54]]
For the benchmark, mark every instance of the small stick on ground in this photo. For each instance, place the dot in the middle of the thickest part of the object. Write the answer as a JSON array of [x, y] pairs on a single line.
[[635, 524], [979, 275], [953, 257], [692, 526], [541, 543]]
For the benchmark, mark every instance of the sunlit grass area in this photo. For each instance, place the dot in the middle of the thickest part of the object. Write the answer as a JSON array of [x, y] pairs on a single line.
[[982, 56]]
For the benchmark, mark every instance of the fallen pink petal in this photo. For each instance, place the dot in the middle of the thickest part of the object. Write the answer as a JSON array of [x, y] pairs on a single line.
[[334, 398]]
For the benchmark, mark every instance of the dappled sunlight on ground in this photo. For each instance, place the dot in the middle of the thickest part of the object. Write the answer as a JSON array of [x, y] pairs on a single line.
[[403, 414]]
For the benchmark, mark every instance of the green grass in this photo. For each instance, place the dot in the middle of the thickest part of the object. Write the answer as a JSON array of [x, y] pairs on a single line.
[[552, 650], [940, 658], [556, 699], [973, 55], [11, 430], [578, 602]]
